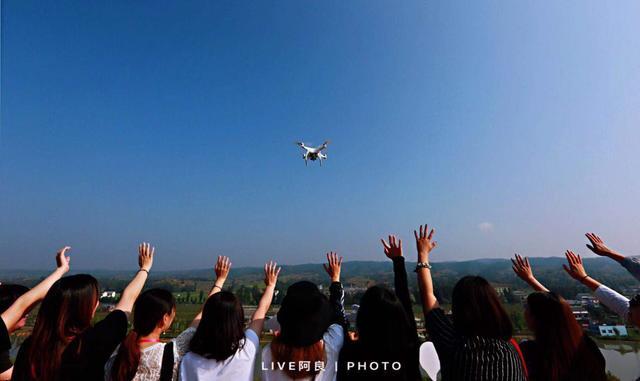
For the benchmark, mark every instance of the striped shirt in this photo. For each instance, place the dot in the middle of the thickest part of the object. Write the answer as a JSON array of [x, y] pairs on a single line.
[[472, 358]]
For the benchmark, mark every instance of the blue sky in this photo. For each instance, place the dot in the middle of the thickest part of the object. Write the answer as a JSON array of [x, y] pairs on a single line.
[[509, 126]]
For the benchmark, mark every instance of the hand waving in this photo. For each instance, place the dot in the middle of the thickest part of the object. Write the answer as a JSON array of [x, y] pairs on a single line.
[[522, 268], [393, 249], [576, 268], [145, 256], [271, 272], [334, 266], [223, 266], [62, 261], [424, 242], [597, 245]]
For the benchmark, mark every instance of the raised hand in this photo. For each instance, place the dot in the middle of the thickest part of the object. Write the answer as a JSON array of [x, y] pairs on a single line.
[[223, 266], [145, 256], [522, 268], [271, 272], [393, 249], [424, 242], [598, 246], [576, 268], [333, 266], [62, 261]]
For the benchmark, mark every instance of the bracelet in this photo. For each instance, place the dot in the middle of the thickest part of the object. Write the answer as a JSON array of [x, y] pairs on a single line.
[[145, 270], [215, 285], [584, 277], [422, 265]]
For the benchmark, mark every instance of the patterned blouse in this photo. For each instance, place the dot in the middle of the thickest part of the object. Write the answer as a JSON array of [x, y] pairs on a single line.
[[151, 358], [472, 358]]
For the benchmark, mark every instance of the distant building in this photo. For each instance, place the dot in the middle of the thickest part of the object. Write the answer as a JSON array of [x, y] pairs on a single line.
[[612, 330], [520, 295], [501, 289], [587, 299], [108, 294]]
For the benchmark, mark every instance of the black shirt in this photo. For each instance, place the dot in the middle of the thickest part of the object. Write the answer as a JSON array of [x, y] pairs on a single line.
[[5, 347], [588, 363], [85, 356], [472, 358], [358, 353]]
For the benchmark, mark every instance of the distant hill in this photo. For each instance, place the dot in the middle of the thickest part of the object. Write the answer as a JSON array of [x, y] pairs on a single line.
[[365, 273]]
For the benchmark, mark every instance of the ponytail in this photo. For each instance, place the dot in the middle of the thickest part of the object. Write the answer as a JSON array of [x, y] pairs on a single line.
[[126, 363], [148, 312]]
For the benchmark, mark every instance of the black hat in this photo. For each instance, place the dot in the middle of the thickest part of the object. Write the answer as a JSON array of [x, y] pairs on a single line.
[[304, 316]]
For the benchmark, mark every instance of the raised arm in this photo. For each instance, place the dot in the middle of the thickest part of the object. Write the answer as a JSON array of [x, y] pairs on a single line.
[[223, 266], [27, 300], [271, 272], [131, 292], [424, 244], [522, 268], [333, 267], [393, 251], [600, 248], [610, 298]]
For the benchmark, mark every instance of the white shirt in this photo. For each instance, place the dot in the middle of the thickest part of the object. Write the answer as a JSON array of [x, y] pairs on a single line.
[[151, 358], [237, 367], [333, 341], [613, 300]]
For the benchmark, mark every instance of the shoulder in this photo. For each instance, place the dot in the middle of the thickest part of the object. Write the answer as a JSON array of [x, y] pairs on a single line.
[[116, 319], [334, 337], [250, 336], [437, 317], [182, 341]]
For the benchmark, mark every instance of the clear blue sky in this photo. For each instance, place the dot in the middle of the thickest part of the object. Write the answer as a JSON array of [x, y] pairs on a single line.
[[510, 126]]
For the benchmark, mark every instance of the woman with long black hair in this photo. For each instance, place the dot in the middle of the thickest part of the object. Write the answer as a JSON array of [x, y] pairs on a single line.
[[385, 345], [560, 349], [222, 349], [16, 301], [477, 344], [142, 356], [64, 346]]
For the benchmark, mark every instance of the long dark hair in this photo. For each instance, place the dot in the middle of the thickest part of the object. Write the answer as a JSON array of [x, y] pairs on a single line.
[[477, 310], [221, 329], [383, 325], [148, 312], [65, 312], [557, 333]]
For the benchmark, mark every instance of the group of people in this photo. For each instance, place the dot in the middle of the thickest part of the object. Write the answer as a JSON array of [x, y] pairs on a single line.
[[312, 339]]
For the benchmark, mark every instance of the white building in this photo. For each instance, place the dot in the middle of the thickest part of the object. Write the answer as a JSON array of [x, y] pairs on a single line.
[[108, 294], [612, 330]]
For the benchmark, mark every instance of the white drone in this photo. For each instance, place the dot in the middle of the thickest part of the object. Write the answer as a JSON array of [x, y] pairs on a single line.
[[313, 153]]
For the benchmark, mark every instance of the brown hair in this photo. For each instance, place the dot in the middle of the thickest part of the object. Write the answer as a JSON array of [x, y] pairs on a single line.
[[477, 310], [287, 354], [66, 312], [558, 335]]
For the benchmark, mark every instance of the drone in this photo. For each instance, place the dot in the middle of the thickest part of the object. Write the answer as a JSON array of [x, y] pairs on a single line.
[[313, 153]]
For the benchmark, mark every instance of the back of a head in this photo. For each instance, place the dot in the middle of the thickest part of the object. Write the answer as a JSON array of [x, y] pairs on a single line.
[[221, 329], [304, 316], [477, 310], [65, 312], [383, 325], [557, 333], [9, 293], [149, 311]]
